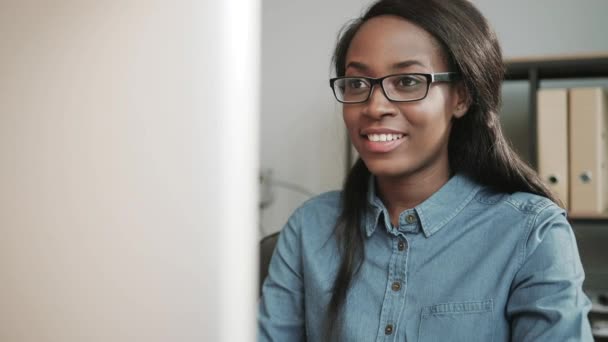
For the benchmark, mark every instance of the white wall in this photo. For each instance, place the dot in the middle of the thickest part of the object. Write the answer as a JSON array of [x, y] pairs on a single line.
[[128, 141], [548, 27], [302, 137], [302, 140]]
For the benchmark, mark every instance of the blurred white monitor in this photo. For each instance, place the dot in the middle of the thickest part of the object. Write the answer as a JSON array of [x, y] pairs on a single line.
[[128, 168]]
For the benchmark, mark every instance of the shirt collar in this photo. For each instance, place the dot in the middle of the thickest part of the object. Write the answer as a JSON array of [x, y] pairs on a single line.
[[434, 213]]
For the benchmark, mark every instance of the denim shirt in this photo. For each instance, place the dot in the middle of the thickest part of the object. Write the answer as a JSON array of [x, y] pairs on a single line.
[[468, 264]]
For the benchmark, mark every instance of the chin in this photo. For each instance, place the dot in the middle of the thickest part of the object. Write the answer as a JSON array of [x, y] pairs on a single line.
[[388, 168]]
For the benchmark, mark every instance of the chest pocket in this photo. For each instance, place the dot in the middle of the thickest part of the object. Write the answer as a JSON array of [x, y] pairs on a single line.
[[456, 322]]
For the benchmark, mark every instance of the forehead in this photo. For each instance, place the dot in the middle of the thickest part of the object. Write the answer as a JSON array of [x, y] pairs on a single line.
[[385, 41]]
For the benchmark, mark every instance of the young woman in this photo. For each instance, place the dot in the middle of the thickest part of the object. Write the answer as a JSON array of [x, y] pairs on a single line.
[[441, 232]]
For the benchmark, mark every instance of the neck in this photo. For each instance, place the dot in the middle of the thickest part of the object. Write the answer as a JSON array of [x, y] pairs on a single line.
[[406, 192]]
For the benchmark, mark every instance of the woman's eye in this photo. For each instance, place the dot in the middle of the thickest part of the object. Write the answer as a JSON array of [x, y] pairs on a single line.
[[356, 84], [407, 81]]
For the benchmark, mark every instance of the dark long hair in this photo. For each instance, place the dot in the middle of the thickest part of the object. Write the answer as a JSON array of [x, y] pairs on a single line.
[[476, 147]]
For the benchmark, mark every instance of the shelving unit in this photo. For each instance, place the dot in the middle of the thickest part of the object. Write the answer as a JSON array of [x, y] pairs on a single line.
[[535, 69], [570, 67]]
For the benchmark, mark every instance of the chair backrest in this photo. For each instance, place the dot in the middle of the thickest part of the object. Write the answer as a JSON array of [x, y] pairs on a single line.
[[266, 249]]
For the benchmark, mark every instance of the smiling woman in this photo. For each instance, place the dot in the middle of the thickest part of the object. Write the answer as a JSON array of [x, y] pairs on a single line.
[[441, 232], [388, 45]]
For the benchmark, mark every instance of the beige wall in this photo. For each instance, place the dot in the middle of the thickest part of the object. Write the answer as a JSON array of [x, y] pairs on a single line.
[[118, 156]]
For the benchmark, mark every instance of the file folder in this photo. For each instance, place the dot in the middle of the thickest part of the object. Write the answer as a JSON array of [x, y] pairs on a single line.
[[588, 151], [552, 141]]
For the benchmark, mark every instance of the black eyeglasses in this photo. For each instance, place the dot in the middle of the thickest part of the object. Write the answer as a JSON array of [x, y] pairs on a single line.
[[397, 88]]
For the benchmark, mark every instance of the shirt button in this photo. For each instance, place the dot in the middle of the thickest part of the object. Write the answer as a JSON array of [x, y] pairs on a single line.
[[389, 329], [396, 286], [410, 218], [401, 245]]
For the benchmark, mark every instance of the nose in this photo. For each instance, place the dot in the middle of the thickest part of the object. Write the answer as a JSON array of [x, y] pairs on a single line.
[[378, 105]]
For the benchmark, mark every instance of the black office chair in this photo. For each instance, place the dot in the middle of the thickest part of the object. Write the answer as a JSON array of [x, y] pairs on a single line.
[[266, 248]]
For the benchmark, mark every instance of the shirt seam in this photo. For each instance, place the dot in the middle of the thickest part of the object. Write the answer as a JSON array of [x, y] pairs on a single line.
[[525, 237], [528, 208]]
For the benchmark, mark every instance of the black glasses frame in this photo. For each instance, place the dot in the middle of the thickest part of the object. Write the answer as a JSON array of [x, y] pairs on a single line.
[[430, 79]]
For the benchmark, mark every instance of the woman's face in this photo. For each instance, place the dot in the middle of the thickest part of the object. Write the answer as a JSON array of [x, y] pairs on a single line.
[[388, 45]]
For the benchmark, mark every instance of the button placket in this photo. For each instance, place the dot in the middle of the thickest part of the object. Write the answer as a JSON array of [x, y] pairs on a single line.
[[397, 284], [394, 298]]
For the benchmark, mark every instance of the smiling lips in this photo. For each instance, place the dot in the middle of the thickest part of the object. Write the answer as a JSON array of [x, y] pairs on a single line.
[[384, 137], [382, 142]]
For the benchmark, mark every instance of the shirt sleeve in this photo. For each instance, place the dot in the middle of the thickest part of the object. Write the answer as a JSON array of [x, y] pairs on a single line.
[[281, 307], [547, 302]]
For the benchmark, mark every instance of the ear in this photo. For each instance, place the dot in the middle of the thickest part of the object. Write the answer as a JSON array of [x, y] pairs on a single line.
[[462, 100]]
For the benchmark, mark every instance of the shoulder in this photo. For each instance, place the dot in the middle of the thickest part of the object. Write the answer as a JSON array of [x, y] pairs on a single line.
[[547, 234], [519, 203], [530, 217], [316, 215], [544, 215], [531, 203], [328, 201]]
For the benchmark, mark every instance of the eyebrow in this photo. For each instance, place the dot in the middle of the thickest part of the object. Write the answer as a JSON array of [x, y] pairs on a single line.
[[399, 65]]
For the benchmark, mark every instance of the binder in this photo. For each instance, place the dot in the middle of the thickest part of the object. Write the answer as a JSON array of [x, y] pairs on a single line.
[[552, 141], [588, 151]]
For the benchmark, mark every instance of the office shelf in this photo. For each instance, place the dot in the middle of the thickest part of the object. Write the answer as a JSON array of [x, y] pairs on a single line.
[[535, 69], [558, 67], [588, 218]]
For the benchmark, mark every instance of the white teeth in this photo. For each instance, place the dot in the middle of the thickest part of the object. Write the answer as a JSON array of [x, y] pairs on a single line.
[[384, 137]]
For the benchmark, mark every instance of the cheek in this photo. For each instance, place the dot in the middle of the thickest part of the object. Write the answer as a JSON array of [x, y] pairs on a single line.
[[420, 115], [350, 121], [428, 123], [435, 107]]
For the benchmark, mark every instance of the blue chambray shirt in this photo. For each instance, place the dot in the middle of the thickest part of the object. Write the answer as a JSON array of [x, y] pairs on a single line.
[[467, 264]]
